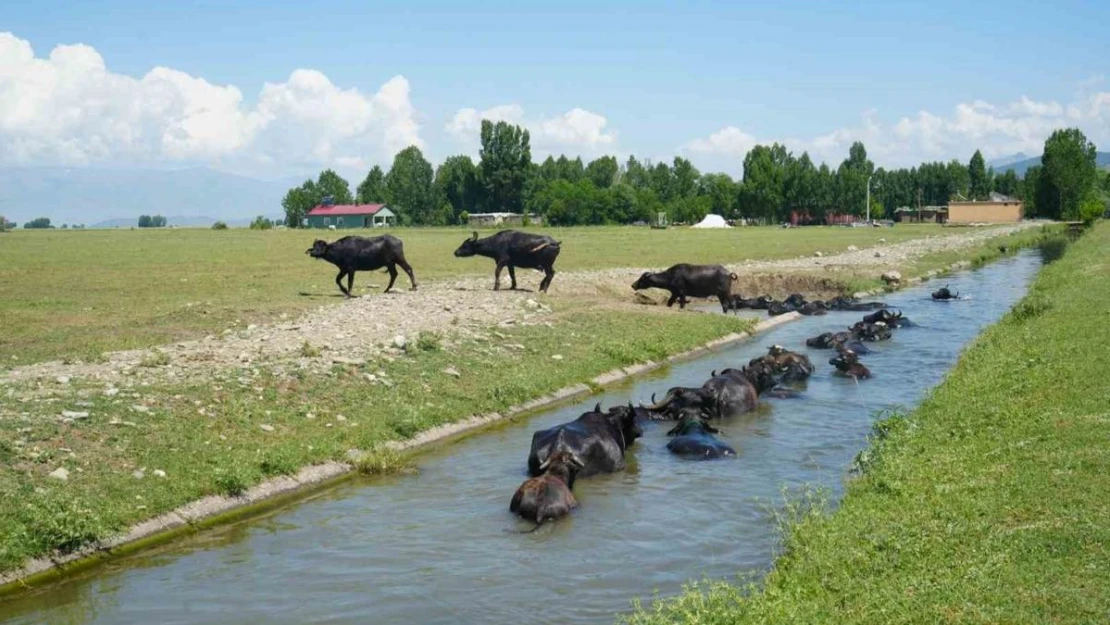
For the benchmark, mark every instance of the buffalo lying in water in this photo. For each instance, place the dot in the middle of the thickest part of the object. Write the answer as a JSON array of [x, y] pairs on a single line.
[[852, 305], [871, 332], [598, 439], [785, 365], [847, 364], [685, 280], [943, 294], [729, 393], [894, 320], [836, 340], [695, 438], [548, 497]]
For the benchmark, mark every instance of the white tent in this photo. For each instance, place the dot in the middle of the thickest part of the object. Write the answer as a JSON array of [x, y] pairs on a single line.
[[712, 221]]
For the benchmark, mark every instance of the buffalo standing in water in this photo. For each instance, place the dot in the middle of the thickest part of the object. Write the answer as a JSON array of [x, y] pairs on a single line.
[[684, 280], [695, 438], [548, 496], [513, 249], [598, 439], [943, 294], [353, 254]]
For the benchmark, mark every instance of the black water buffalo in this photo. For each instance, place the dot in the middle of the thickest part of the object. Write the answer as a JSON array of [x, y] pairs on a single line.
[[943, 294], [512, 249], [598, 439], [892, 319], [548, 496], [695, 438], [354, 253], [775, 308], [788, 366], [831, 340], [797, 300], [765, 379], [729, 393], [847, 364], [814, 308], [872, 332], [685, 280], [850, 304], [762, 302]]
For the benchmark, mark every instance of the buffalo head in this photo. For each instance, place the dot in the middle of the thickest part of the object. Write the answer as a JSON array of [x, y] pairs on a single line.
[[644, 281], [467, 248], [318, 249], [624, 417], [677, 399], [692, 421]]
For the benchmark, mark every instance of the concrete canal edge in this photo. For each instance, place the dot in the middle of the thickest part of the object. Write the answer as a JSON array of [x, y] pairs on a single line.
[[276, 492]]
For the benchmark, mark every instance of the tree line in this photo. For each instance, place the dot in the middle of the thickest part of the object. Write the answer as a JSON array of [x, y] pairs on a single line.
[[775, 183], [152, 221]]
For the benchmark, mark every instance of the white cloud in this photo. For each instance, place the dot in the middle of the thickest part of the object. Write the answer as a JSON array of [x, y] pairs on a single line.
[[998, 130], [577, 131], [70, 109]]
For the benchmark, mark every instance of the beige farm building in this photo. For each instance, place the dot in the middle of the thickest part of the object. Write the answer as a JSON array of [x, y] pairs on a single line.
[[998, 209]]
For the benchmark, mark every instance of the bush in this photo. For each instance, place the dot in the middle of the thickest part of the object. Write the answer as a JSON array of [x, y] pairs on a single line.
[[219, 225], [261, 223]]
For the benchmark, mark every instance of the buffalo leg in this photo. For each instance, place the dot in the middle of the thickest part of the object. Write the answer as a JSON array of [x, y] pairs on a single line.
[[549, 274], [682, 301], [726, 301], [497, 277], [392, 277], [350, 283], [670, 302], [408, 270], [339, 282], [512, 277]]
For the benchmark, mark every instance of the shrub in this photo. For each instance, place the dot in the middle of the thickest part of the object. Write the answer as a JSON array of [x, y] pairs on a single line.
[[261, 223], [219, 225]]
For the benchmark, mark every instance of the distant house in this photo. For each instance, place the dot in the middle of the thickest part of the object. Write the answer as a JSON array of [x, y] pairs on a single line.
[[998, 209], [327, 215], [491, 220], [803, 218], [906, 214]]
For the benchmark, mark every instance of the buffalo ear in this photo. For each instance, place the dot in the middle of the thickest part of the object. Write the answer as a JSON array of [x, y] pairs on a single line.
[[597, 407], [475, 237]]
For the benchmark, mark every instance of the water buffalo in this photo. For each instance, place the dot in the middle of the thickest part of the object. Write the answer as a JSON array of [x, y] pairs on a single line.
[[512, 249], [695, 438], [765, 379], [850, 304], [761, 303], [787, 365], [814, 308], [847, 364], [872, 332], [831, 340], [943, 294], [727, 394], [894, 320], [684, 280], [797, 300], [354, 253], [548, 496], [598, 439]]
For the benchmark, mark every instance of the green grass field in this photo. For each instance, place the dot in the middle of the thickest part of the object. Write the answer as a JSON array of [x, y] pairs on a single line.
[[988, 504], [77, 294]]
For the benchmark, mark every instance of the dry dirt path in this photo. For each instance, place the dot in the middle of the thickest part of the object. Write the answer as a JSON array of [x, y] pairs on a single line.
[[382, 324]]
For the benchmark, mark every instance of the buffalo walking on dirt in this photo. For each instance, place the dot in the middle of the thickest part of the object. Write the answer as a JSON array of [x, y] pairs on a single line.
[[685, 280], [511, 249], [353, 253]]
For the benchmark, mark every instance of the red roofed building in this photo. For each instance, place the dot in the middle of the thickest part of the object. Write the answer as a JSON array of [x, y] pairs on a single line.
[[328, 215]]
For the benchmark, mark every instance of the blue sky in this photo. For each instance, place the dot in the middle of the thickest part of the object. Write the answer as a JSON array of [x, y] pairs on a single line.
[[663, 77]]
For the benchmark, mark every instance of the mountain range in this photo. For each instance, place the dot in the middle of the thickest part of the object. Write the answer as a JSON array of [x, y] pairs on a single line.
[[1020, 162], [101, 197]]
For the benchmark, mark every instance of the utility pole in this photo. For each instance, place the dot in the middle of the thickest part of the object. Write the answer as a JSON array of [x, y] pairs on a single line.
[[869, 198]]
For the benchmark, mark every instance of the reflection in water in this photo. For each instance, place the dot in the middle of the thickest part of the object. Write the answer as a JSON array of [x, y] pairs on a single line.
[[433, 548]]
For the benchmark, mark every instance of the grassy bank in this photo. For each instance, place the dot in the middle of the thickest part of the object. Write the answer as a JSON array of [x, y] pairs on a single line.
[[76, 294], [131, 453], [986, 505]]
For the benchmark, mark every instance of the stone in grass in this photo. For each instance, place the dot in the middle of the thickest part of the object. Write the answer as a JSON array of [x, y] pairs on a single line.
[[60, 474]]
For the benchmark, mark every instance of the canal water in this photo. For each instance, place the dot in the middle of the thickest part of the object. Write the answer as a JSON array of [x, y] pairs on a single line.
[[442, 547]]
